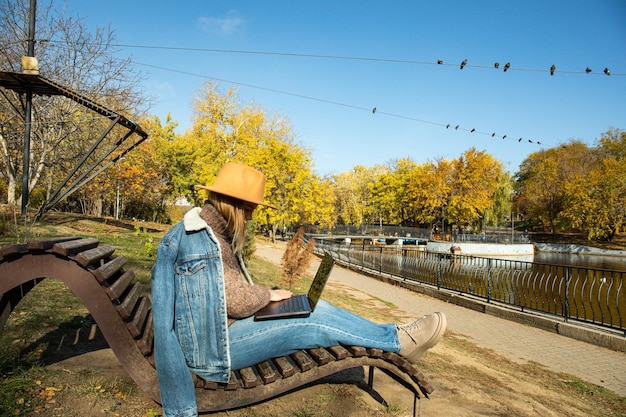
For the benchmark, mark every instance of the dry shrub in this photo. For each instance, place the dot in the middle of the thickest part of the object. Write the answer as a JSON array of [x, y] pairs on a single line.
[[296, 258]]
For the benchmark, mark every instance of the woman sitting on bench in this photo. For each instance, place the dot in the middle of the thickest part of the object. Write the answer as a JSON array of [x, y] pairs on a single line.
[[204, 301]]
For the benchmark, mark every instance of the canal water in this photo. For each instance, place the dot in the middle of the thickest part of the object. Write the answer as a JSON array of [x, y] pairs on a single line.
[[588, 261]]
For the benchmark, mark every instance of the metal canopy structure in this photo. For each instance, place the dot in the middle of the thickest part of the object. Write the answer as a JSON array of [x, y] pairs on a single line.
[[23, 83]]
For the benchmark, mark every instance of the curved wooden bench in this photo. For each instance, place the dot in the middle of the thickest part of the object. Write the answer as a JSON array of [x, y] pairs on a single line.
[[123, 314]]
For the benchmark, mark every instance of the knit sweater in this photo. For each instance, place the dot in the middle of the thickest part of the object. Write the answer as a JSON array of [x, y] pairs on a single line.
[[242, 299]]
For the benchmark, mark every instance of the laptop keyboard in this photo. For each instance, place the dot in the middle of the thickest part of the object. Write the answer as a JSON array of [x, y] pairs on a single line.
[[295, 303]]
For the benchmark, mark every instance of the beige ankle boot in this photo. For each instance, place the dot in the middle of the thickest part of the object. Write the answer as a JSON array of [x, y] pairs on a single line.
[[420, 335]]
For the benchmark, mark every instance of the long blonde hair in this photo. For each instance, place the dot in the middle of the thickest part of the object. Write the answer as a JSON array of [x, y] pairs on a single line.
[[232, 210]]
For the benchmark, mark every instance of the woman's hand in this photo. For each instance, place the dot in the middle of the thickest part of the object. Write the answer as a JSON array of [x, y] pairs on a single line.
[[277, 295]]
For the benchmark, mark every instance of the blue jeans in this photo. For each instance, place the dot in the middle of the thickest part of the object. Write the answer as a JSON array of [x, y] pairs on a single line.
[[252, 341]]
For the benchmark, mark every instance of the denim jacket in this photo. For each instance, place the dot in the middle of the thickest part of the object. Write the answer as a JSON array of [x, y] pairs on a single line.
[[189, 313]]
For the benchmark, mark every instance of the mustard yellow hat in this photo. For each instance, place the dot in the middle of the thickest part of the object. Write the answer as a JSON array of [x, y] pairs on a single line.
[[241, 182]]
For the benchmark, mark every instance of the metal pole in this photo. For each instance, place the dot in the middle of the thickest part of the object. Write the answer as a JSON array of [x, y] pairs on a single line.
[[26, 163], [28, 110], [512, 227]]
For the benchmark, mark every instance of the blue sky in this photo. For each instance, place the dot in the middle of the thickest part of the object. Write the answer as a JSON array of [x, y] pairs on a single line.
[[393, 49]]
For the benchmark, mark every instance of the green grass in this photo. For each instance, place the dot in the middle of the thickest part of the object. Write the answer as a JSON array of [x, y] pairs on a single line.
[[19, 391], [51, 309]]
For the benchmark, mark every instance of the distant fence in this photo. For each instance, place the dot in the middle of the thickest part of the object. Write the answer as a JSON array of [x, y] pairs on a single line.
[[595, 296], [490, 235]]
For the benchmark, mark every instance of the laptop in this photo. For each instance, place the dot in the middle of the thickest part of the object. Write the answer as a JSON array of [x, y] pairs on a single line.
[[301, 305]]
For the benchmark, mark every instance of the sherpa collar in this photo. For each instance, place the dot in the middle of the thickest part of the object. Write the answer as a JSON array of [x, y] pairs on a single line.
[[192, 220]]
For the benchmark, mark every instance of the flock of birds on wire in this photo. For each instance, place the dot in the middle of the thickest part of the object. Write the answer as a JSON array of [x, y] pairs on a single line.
[[506, 67], [463, 64]]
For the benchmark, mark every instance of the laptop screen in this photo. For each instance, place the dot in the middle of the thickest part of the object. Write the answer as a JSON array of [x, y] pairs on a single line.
[[323, 272]]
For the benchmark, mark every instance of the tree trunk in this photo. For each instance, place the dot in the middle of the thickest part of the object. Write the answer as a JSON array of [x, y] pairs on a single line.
[[11, 188]]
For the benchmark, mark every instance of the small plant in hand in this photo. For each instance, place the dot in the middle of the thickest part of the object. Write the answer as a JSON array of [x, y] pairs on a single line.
[[296, 258]]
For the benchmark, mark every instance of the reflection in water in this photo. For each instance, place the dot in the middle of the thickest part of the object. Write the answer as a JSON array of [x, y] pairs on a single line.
[[587, 261]]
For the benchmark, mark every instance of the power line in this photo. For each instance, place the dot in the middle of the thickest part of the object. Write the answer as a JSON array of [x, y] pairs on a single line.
[[336, 103], [373, 110], [496, 66]]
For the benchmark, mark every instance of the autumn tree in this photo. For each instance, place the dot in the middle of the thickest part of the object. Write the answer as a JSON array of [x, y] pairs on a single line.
[[130, 188], [177, 157], [297, 257], [320, 208], [77, 58], [542, 178], [290, 182], [501, 201], [428, 191], [474, 181], [389, 191], [596, 199], [354, 196]]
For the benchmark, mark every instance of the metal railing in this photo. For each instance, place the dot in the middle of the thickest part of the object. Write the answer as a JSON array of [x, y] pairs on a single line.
[[490, 234], [595, 296]]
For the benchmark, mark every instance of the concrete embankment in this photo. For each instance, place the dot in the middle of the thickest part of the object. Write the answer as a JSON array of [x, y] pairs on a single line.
[[577, 249], [517, 250], [482, 249]]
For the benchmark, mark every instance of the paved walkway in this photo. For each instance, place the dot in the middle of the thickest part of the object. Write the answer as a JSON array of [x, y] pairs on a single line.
[[600, 366]]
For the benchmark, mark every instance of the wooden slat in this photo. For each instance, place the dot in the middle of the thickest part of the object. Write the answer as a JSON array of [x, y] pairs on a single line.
[[398, 360], [109, 269], [233, 382], [72, 247], [146, 343], [118, 288], [321, 356], [212, 385], [357, 351], [266, 372], [49, 243], [375, 353], [126, 308], [303, 361], [199, 382], [285, 367], [136, 325], [95, 255], [339, 352], [13, 249], [248, 378]]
